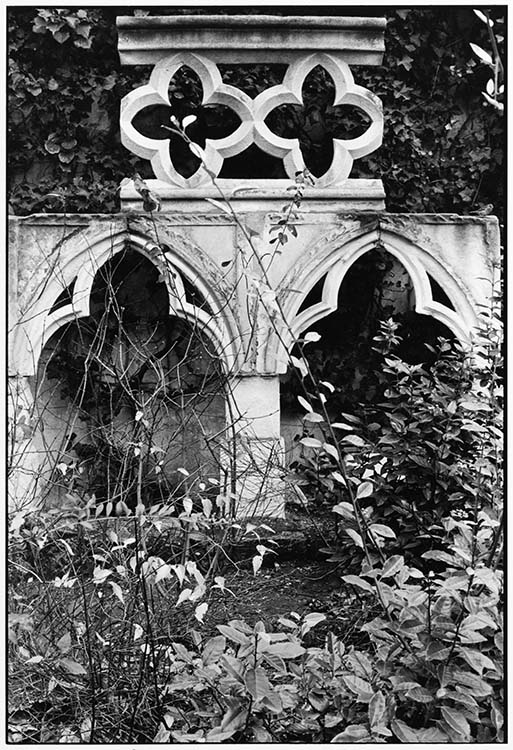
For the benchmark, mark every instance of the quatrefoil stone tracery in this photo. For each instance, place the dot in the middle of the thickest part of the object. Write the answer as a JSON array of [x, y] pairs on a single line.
[[252, 114]]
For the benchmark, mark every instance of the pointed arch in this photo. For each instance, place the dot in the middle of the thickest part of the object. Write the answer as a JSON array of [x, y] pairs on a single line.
[[76, 264], [333, 256]]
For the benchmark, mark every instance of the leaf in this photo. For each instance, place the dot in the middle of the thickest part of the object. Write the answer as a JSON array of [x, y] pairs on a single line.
[[420, 695], [309, 442], [376, 709], [456, 720], [188, 120], [392, 566], [341, 426], [311, 336], [331, 450], [488, 21], [483, 56], [35, 659], [312, 416], [138, 416], [187, 505], [337, 476], [304, 403], [357, 581], [382, 530], [408, 735], [73, 667], [344, 509], [285, 649], [164, 571], [101, 574], [355, 537], [184, 596], [329, 386], [310, 621], [116, 588], [257, 684], [196, 150], [138, 631], [352, 733], [64, 643], [257, 563], [207, 506], [300, 365], [200, 611], [358, 685], [213, 649], [354, 440], [477, 660], [233, 634], [364, 490]]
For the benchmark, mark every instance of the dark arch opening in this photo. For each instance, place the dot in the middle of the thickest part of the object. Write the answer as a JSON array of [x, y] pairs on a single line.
[[376, 288], [129, 394]]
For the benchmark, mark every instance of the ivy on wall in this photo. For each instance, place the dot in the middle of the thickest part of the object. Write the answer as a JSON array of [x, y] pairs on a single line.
[[442, 150]]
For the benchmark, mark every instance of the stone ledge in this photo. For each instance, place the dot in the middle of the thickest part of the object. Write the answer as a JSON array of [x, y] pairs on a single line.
[[280, 39], [354, 194]]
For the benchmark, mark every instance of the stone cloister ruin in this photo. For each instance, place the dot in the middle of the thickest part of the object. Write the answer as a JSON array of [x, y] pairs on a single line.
[[147, 347]]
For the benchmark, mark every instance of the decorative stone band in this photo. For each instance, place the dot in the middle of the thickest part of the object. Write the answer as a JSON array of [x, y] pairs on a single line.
[[301, 42], [248, 39]]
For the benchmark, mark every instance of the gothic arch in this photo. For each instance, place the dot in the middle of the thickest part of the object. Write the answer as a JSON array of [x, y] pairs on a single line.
[[332, 257], [76, 263]]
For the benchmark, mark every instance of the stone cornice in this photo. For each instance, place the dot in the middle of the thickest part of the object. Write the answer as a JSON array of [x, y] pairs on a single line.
[[266, 38]]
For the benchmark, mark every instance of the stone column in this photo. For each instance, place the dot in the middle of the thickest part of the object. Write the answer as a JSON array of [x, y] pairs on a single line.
[[257, 450]]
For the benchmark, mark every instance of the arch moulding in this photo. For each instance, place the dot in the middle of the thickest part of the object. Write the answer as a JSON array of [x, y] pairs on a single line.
[[335, 253], [77, 261]]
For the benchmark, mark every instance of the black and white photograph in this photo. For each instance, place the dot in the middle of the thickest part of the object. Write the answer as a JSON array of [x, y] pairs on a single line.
[[254, 374]]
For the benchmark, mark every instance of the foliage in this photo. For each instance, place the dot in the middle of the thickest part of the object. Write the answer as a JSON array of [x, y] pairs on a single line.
[[432, 673], [428, 441], [99, 598], [442, 149]]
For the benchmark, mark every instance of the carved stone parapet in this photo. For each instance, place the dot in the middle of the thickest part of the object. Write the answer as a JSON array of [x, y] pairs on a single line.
[[201, 43]]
